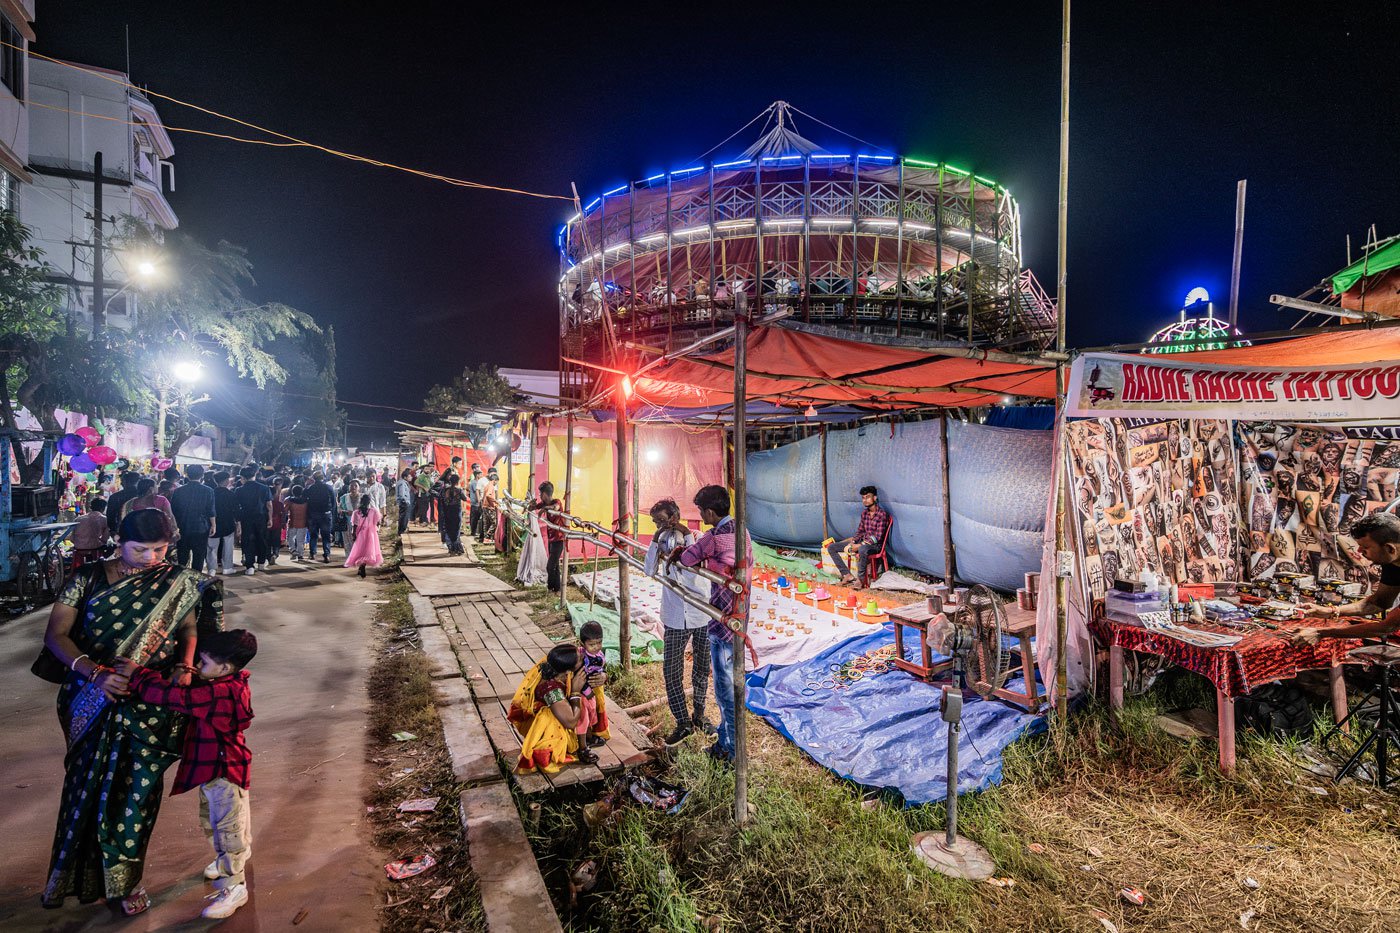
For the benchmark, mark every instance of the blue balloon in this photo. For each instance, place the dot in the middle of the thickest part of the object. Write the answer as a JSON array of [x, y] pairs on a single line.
[[70, 445]]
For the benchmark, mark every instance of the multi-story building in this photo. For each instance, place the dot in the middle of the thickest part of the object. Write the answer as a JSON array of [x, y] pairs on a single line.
[[16, 32], [76, 112]]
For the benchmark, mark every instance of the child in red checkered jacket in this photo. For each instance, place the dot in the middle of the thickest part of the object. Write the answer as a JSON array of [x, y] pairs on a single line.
[[216, 758]]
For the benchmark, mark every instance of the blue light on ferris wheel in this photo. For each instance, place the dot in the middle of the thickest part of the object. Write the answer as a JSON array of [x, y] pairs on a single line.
[[1195, 295]]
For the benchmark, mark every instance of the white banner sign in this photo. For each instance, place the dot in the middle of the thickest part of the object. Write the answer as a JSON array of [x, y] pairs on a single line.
[[1111, 385]]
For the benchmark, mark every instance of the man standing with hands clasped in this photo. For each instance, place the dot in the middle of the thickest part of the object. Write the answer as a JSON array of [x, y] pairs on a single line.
[[1378, 538]]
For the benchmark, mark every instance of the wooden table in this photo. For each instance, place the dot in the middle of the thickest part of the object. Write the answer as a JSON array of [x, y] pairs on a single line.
[[1259, 658]]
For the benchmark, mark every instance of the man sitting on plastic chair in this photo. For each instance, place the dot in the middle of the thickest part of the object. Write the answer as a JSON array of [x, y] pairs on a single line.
[[869, 538]]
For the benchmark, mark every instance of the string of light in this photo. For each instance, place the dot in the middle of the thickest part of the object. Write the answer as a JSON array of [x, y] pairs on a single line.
[[290, 141]]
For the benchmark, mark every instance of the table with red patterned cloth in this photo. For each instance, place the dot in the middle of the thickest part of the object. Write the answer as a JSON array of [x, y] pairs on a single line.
[[1258, 658]]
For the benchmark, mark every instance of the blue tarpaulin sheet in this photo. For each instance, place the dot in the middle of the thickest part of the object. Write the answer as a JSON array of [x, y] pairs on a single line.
[[1000, 482], [885, 731]]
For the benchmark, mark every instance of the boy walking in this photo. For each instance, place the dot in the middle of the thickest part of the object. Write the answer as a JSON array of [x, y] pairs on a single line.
[[216, 758]]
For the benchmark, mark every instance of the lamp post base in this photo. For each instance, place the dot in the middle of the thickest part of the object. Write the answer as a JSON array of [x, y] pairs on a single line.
[[964, 859]]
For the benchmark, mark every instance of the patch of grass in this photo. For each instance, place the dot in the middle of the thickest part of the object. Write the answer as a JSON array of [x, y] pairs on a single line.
[[401, 700]]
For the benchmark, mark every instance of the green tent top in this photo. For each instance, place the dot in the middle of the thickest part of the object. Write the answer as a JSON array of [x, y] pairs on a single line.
[[1378, 260]]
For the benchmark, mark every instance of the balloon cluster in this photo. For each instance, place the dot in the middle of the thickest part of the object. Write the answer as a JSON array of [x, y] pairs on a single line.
[[85, 450]]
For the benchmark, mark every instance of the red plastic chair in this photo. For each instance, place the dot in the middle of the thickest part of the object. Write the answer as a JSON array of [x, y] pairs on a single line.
[[880, 558]]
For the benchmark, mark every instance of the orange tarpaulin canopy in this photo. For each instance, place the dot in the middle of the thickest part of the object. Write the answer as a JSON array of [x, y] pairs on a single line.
[[1341, 347], [797, 368]]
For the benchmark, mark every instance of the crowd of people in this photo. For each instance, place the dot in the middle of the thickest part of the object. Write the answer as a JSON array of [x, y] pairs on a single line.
[[271, 514]]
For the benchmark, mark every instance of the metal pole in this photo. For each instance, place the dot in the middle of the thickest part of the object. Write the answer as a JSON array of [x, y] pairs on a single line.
[[1238, 255], [739, 631], [568, 501], [1062, 251], [899, 258], [636, 479], [946, 497], [99, 306], [938, 249], [954, 730], [624, 595], [970, 279], [534, 441]]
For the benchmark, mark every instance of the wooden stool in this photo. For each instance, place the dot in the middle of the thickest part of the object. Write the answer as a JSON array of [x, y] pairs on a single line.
[[916, 616], [1020, 625]]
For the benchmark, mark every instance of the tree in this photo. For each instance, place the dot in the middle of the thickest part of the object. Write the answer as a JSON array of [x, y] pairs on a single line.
[[476, 387], [31, 319], [300, 413], [204, 311]]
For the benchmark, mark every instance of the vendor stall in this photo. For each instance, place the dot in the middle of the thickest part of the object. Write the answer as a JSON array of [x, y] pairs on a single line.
[[1192, 474]]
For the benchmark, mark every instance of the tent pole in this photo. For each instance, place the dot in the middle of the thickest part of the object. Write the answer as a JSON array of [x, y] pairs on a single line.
[[1061, 620], [534, 442], [740, 624], [825, 510], [636, 479], [946, 494], [624, 594], [568, 503]]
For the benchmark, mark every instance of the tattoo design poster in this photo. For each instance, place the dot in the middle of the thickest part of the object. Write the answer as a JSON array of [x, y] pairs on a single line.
[[1155, 495], [1307, 484]]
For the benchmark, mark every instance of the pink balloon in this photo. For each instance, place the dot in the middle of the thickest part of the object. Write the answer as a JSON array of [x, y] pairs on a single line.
[[102, 455], [90, 435], [162, 463]]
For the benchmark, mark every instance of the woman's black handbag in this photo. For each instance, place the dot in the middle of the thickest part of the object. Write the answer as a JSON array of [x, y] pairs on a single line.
[[47, 666]]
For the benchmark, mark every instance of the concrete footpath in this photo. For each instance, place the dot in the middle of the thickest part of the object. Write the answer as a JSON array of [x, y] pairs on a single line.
[[311, 848]]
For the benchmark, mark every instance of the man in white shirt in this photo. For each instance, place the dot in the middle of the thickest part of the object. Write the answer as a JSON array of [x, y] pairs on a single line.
[[682, 623]]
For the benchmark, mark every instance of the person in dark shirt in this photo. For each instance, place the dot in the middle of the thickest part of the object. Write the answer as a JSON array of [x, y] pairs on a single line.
[[120, 498], [320, 516], [225, 523], [253, 499], [193, 506]]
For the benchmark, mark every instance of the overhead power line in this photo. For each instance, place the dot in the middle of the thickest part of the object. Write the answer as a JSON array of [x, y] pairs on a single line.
[[291, 141]]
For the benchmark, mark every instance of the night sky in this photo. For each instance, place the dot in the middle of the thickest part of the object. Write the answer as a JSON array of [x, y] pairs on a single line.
[[1170, 105]]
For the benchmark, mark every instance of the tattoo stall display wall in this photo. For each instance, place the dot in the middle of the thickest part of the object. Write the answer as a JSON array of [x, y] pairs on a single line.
[[1307, 485], [1155, 495]]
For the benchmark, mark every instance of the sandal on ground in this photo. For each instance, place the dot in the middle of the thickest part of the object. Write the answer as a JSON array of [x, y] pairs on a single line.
[[585, 756], [137, 902]]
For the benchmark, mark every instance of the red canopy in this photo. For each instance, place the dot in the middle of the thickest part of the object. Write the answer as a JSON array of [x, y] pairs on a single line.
[[798, 368]]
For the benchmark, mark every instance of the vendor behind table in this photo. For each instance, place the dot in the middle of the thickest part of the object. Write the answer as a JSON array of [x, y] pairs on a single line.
[[1378, 538]]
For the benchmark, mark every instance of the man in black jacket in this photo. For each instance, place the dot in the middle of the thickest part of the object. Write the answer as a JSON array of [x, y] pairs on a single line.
[[253, 499], [320, 516], [193, 506]]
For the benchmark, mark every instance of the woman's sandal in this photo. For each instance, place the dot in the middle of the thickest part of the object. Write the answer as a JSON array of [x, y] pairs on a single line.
[[137, 902]]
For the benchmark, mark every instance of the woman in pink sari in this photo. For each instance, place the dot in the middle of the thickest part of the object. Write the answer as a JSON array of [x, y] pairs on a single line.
[[365, 523]]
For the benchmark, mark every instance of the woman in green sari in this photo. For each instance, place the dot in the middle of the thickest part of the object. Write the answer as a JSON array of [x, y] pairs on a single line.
[[133, 605]]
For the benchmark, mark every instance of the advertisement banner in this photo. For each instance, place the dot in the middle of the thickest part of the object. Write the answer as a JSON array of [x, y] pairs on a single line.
[[1112, 385]]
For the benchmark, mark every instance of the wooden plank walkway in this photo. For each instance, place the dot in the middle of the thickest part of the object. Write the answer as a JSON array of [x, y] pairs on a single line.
[[423, 546], [437, 580]]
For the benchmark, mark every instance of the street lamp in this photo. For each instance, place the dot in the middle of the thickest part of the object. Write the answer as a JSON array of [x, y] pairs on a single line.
[[186, 371], [146, 273]]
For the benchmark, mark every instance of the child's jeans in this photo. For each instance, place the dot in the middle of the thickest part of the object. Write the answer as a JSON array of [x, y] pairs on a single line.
[[722, 666], [296, 541], [228, 824]]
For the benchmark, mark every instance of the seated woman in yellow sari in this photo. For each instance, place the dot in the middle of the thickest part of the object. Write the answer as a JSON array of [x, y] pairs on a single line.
[[545, 713]]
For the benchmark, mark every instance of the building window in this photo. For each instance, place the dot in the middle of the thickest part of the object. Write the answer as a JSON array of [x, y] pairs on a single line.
[[9, 192], [12, 57]]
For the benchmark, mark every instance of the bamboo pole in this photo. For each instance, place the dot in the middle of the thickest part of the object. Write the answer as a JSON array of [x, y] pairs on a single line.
[[1062, 253], [825, 502], [624, 595], [739, 632], [946, 496], [568, 503]]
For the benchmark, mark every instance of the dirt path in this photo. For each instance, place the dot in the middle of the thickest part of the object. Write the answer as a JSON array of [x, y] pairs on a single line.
[[311, 849]]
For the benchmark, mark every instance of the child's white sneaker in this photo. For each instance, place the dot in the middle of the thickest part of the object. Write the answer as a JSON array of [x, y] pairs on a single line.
[[211, 871], [225, 902]]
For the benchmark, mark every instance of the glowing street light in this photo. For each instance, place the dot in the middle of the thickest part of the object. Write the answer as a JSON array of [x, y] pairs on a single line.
[[187, 370]]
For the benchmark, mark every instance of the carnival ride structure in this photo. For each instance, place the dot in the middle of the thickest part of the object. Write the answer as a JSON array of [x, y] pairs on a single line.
[[871, 246]]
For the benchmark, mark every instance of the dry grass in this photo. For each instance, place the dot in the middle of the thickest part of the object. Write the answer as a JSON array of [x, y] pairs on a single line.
[[401, 698], [1155, 811]]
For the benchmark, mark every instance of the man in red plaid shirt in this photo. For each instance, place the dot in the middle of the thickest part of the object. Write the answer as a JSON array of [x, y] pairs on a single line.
[[868, 539], [216, 758]]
